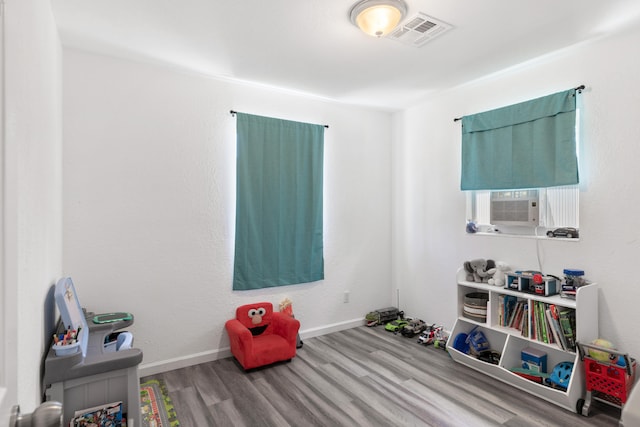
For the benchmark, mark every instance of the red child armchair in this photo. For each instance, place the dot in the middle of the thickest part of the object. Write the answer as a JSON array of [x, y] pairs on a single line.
[[259, 336]]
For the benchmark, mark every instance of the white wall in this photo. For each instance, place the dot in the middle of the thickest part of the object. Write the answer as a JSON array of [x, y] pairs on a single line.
[[149, 195], [32, 211], [429, 241]]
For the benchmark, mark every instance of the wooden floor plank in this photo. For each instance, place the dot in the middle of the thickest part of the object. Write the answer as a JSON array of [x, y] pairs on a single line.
[[361, 377]]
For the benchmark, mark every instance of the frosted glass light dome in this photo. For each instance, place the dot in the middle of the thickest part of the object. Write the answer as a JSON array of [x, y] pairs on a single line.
[[378, 17]]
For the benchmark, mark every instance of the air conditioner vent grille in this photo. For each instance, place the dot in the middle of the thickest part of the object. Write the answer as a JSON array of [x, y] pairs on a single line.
[[419, 29], [425, 26], [515, 208], [512, 210]]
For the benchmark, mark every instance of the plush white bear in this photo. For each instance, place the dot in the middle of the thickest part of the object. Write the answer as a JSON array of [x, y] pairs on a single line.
[[498, 274]]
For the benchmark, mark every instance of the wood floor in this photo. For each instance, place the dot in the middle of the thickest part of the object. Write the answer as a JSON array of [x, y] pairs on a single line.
[[361, 377]]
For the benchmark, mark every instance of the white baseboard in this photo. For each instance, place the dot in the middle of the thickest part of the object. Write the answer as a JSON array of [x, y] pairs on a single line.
[[146, 369], [327, 329]]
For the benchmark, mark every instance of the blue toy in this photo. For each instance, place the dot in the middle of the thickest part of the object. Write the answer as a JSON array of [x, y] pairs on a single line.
[[460, 343], [560, 375], [477, 341]]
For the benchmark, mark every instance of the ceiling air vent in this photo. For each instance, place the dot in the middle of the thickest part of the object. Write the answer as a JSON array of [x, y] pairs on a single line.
[[418, 30]]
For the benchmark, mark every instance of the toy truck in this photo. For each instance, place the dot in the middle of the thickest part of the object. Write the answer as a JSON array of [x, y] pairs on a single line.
[[383, 316]]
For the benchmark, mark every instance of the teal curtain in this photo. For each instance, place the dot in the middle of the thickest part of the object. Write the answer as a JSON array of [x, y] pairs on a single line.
[[278, 203], [526, 145]]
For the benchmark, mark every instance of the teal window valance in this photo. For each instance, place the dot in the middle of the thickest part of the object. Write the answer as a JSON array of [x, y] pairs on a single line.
[[527, 145], [279, 223]]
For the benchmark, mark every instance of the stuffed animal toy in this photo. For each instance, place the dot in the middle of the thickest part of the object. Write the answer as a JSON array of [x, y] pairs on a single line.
[[286, 306], [498, 274], [469, 270], [477, 270], [471, 227]]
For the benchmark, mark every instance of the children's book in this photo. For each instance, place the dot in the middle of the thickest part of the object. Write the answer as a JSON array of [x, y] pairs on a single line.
[[554, 329], [567, 324], [109, 415]]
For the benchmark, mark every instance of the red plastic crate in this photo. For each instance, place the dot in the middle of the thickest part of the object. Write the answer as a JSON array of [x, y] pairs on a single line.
[[611, 382]]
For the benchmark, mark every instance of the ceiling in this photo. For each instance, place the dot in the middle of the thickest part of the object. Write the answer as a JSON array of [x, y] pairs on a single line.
[[311, 46]]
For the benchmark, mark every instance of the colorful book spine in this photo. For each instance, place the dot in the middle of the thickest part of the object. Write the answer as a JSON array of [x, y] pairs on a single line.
[[552, 328], [567, 320]]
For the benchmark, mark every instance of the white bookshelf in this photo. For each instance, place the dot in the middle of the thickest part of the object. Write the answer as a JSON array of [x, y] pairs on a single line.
[[509, 342]]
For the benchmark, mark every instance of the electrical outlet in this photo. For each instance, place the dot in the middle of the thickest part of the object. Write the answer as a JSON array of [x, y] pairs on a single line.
[[346, 297]]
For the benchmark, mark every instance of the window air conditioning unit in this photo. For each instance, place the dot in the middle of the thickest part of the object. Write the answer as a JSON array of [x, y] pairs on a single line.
[[515, 207]]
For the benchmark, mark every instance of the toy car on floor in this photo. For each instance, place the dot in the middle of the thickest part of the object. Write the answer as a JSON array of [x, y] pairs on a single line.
[[382, 316], [429, 335], [441, 343], [441, 339], [414, 327], [395, 325]]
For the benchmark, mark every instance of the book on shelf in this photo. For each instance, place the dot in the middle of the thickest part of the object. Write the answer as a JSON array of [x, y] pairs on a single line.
[[506, 309], [567, 320], [541, 331], [533, 321], [517, 316], [511, 311], [553, 328], [543, 323], [524, 327], [555, 316], [539, 321], [107, 415], [550, 330], [553, 325]]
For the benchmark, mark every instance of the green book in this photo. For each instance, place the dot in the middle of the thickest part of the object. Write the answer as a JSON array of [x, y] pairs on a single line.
[[566, 322], [543, 322]]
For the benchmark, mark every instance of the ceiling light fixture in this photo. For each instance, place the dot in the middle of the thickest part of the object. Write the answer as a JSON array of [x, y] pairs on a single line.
[[378, 17]]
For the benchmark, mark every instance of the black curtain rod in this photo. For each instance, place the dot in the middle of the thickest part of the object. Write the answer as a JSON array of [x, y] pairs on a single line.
[[233, 113], [579, 89]]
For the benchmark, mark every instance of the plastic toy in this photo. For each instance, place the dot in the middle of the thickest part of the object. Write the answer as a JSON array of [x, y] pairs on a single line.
[[460, 343], [477, 342], [560, 375], [573, 279], [382, 316], [489, 356], [604, 356], [538, 284], [607, 381], [531, 375], [396, 325], [414, 327], [430, 334], [568, 232], [441, 340]]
